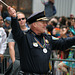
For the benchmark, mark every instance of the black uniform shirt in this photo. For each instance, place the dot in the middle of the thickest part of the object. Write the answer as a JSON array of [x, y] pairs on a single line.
[[33, 59]]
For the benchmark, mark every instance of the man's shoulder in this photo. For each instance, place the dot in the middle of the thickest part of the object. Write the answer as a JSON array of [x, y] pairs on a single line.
[[51, 37], [55, 38], [26, 31], [48, 35], [1, 28], [10, 37]]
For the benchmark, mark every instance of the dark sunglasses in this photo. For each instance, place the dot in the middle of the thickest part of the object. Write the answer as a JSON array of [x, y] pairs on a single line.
[[1, 19], [21, 19]]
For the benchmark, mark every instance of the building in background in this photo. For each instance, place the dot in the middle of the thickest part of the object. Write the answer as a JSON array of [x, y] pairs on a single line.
[[24, 6], [64, 7]]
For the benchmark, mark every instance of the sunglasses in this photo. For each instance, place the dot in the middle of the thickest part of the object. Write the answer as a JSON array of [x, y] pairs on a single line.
[[1, 19], [21, 19]]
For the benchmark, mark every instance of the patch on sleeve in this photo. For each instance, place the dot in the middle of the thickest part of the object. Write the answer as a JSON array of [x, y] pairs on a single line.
[[54, 38]]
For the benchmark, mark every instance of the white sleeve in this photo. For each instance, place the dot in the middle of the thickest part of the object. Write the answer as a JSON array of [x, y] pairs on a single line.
[[3, 41]]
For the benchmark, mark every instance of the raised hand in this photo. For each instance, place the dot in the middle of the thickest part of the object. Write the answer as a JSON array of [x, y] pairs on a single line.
[[51, 1], [11, 11]]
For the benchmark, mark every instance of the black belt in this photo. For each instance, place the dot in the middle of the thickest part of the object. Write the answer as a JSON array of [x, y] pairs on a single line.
[[34, 74], [23, 73]]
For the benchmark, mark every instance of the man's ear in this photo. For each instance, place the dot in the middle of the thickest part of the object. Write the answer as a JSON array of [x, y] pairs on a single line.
[[34, 24]]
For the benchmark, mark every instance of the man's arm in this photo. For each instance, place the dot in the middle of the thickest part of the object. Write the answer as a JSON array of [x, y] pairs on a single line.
[[52, 1], [63, 43], [11, 11], [16, 30], [3, 43], [11, 44], [12, 50]]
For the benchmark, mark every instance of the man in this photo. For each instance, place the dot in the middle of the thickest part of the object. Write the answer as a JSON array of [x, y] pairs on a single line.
[[7, 26], [50, 9], [35, 46], [13, 48]]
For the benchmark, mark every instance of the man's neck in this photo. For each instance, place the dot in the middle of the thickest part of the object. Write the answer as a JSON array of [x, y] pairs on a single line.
[[24, 28], [37, 33]]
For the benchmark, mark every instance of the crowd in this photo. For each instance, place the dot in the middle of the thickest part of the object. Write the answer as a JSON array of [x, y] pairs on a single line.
[[62, 27], [58, 27]]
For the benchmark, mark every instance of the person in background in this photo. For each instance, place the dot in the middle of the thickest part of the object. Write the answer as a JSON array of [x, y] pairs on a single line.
[[35, 46], [13, 48], [56, 55], [1, 21], [3, 11], [56, 32], [49, 29], [72, 27], [1, 7], [62, 20], [71, 16], [64, 65], [53, 22], [3, 44], [52, 28], [50, 9], [63, 32], [7, 25]]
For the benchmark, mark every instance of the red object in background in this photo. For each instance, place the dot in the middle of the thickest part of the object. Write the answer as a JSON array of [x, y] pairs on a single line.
[[71, 16], [62, 55]]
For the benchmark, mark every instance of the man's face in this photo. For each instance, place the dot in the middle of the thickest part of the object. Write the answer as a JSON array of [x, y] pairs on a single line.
[[41, 26], [21, 19]]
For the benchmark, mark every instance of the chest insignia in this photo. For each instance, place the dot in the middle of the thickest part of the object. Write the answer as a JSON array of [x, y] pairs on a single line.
[[47, 41], [35, 44], [44, 50]]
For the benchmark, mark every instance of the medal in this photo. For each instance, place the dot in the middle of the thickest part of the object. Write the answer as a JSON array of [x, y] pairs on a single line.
[[47, 41], [44, 50], [40, 44], [35, 44]]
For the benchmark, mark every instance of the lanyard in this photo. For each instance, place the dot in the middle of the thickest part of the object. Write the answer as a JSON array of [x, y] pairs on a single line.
[[42, 46]]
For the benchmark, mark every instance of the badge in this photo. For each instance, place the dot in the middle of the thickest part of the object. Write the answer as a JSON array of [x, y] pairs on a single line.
[[35, 44], [44, 50], [47, 41]]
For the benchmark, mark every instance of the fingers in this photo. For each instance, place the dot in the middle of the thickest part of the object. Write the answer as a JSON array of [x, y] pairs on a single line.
[[52, 1], [8, 7], [11, 11]]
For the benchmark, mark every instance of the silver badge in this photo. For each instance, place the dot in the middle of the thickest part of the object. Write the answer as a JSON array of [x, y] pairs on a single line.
[[44, 50], [35, 44], [47, 41]]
